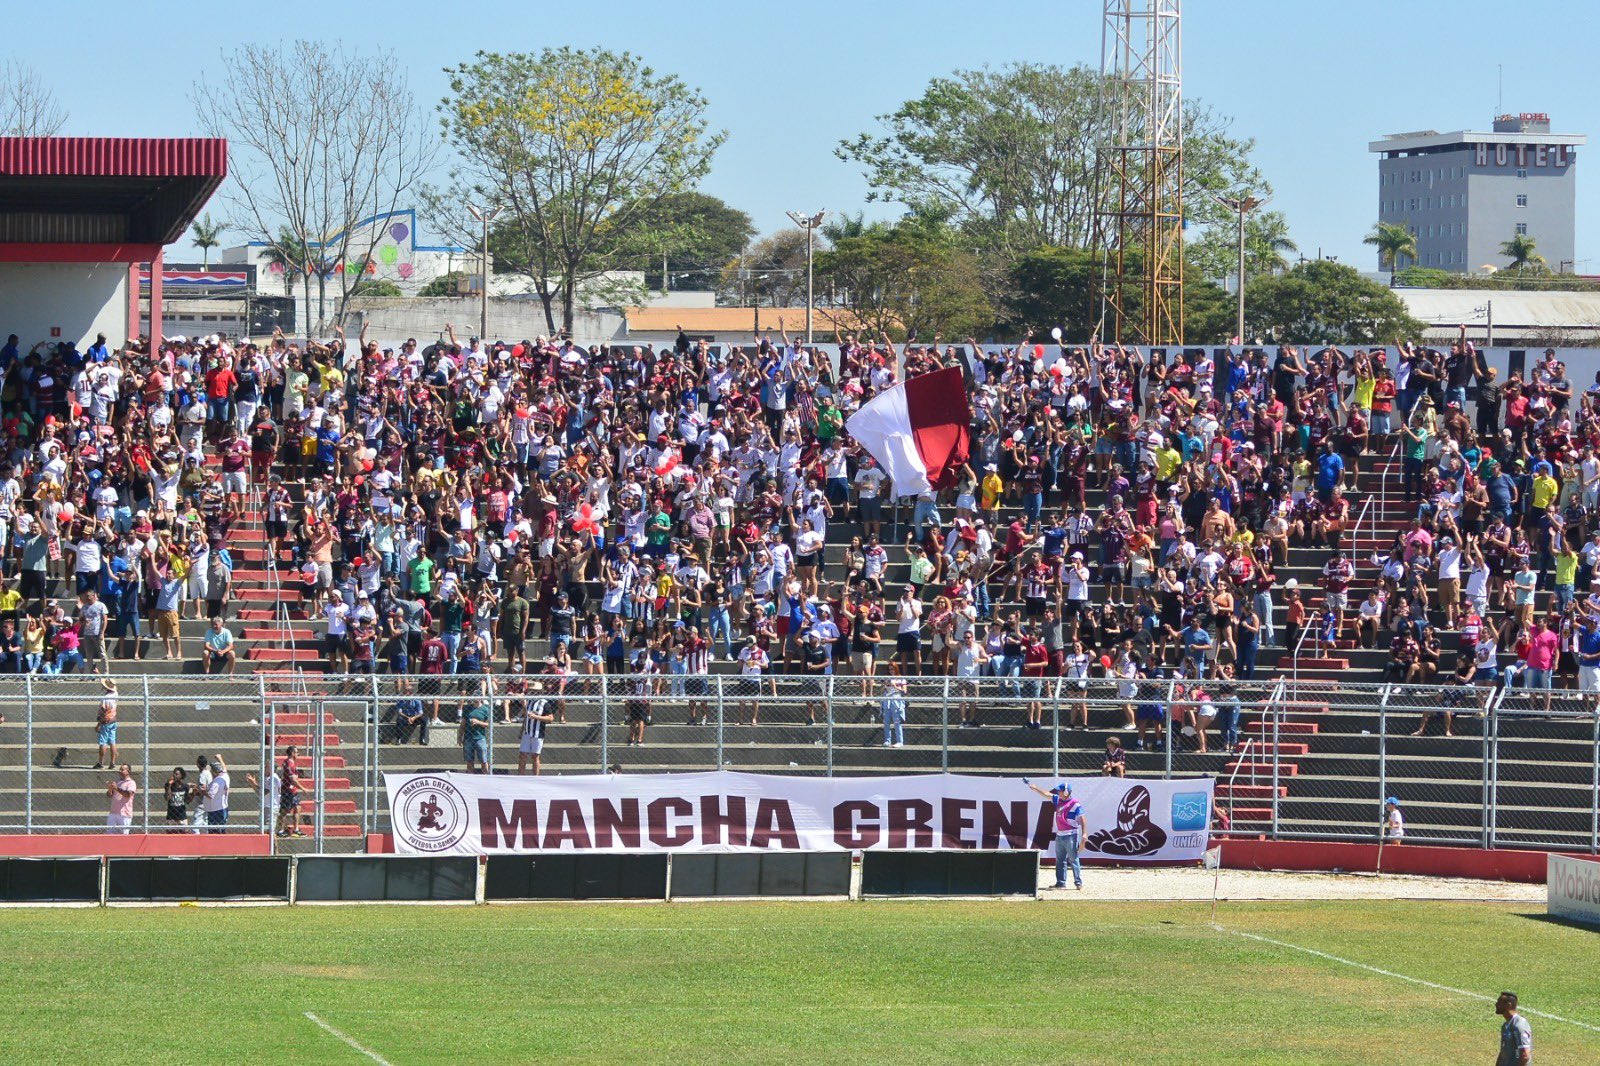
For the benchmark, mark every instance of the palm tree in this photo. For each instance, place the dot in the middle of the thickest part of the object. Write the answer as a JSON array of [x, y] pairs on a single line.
[[207, 235], [293, 255], [1270, 243], [1393, 242], [1520, 250]]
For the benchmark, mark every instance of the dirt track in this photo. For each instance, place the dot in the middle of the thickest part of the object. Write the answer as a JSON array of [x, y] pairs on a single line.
[[1195, 884]]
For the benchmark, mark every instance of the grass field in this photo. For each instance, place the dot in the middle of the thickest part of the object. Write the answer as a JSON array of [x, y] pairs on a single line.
[[1053, 982]]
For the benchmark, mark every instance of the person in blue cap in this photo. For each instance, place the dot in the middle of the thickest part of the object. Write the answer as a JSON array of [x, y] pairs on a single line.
[[1069, 831], [1394, 823]]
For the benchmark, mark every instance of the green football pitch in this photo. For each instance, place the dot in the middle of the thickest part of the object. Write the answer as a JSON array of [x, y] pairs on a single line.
[[1046, 982]]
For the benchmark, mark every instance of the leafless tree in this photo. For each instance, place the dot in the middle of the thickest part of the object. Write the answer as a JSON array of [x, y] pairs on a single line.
[[27, 106], [321, 140]]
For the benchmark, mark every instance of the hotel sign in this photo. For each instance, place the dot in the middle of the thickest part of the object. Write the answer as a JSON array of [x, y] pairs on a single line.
[[1524, 155]]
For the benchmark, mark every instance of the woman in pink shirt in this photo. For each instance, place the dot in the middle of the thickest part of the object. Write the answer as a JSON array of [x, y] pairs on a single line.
[[1544, 645], [121, 791]]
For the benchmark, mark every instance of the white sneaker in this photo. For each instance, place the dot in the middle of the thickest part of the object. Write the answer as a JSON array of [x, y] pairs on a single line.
[[899, 743], [887, 744]]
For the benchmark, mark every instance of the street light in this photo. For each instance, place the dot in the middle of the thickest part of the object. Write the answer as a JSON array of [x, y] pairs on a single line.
[[484, 215], [1242, 204], [809, 223]]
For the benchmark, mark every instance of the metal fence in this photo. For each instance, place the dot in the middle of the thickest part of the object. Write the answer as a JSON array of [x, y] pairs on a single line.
[[1292, 759]]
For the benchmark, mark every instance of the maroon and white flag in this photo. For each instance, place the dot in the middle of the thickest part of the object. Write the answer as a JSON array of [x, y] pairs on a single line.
[[918, 430]]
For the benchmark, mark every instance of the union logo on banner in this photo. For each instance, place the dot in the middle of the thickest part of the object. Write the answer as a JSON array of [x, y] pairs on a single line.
[[431, 814]]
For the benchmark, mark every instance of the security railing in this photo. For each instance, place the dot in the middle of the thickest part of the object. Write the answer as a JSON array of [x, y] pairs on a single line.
[[1293, 759]]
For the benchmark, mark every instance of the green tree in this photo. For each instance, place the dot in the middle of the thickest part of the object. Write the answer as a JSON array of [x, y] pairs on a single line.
[[207, 235], [1520, 250], [1394, 242], [771, 272], [375, 287], [445, 284], [696, 233], [910, 279], [571, 146], [1008, 155], [1322, 302], [1267, 246], [1055, 287]]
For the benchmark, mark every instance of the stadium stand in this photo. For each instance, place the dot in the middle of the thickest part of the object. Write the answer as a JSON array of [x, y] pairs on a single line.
[[304, 482]]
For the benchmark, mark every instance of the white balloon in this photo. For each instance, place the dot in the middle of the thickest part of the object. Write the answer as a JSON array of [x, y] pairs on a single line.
[[1055, 334]]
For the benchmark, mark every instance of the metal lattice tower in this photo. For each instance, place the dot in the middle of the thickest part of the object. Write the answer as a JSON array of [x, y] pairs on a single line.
[[1139, 173]]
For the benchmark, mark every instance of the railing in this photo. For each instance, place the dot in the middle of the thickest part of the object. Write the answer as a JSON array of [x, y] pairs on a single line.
[[1383, 482], [1312, 764]]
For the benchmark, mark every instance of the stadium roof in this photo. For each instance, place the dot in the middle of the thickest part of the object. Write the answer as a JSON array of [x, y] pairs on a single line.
[[112, 198]]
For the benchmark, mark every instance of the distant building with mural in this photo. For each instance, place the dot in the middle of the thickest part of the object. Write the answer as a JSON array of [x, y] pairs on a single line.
[[398, 255]]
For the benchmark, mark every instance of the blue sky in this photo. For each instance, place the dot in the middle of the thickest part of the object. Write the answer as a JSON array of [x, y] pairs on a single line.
[[1311, 82]]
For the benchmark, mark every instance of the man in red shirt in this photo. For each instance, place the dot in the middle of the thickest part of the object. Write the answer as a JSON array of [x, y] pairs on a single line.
[[431, 663], [219, 393], [1035, 663]]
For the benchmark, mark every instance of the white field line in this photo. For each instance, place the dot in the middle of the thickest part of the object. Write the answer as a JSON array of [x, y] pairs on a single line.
[[368, 1052], [1403, 977]]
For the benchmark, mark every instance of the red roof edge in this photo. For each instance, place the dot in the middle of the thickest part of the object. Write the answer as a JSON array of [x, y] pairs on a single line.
[[123, 157]]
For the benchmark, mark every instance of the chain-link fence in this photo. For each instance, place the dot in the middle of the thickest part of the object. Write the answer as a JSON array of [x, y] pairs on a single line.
[[1292, 759]]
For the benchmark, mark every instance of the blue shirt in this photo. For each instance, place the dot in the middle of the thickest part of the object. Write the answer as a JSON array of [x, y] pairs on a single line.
[[1330, 468]]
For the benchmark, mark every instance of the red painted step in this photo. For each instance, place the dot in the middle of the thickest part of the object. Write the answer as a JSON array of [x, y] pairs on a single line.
[[329, 762], [1284, 728], [339, 830], [1308, 663], [1285, 769], [284, 655], [1251, 814], [1267, 747], [284, 718], [272, 633], [302, 740], [1249, 791], [334, 806]]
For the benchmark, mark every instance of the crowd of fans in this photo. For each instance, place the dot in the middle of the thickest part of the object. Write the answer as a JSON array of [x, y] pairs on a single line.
[[465, 507]]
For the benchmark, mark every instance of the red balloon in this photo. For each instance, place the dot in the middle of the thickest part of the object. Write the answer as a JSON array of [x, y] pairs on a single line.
[[1038, 351]]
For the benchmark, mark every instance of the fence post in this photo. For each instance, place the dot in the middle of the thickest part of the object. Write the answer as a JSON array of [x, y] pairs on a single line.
[[720, 679], [263, 768], [1277, 748], [605, 722], [1055, 732], [488, 688], [28, 714], [1491, 773], [1172, 730], [369, 819], [829, 705], [1594, 789], [944, 727], [145, 785], [318, 759], [1383, 750]]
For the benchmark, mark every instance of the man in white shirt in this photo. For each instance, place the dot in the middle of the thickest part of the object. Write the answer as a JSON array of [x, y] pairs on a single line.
[[215, 803], [908, 634]]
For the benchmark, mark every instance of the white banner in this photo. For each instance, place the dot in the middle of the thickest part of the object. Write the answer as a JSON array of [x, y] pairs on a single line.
[[472, 814], [1574, 888]]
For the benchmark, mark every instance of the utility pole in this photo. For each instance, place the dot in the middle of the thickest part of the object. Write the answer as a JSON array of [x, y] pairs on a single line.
[[809, 223], [1242, 204], [484, 215]]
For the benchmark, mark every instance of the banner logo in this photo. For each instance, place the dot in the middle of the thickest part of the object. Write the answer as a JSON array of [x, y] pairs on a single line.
[[1188, 811], [1135, 833], [430, 815]]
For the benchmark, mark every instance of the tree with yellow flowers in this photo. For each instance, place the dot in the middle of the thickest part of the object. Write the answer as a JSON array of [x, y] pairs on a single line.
[[571, 147]]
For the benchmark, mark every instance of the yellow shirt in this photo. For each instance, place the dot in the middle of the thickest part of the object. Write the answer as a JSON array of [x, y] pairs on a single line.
[[1545, 488], [10, 601], [1363, 393], [1168, 459], [990, 489]]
